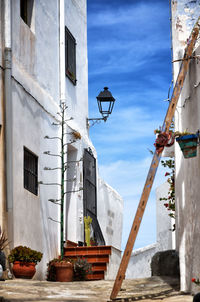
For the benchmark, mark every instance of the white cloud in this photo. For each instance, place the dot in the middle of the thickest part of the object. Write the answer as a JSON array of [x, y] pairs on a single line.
[[129, 125], [128, 178], [138, 14]]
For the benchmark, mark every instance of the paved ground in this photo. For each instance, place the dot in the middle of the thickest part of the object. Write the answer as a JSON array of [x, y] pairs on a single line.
[[150, 289]]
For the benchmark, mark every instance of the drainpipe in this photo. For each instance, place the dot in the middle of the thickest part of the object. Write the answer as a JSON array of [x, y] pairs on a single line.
[[62, 49], [8, 118]]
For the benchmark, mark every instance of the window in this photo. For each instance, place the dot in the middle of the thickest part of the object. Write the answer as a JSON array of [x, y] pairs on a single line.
[[70, 56], [26, 11], [30, 172]]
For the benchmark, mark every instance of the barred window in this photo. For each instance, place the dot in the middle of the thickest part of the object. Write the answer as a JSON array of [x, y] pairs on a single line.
[[70, 56], [30, 172]]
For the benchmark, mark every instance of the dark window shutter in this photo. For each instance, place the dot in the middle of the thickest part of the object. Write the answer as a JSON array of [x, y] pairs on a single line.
[[30, 172], [70, 56]]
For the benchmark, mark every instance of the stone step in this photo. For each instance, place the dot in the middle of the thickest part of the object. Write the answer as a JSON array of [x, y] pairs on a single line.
[[87, 250], [91, 258], [97, 256], [95, 276], [97, 267]]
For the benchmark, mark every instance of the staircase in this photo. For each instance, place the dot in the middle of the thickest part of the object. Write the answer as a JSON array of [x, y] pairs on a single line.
[[97, 256]]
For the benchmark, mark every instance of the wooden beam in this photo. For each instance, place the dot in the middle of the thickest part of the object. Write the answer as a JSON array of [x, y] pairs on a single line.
[[155, 162]]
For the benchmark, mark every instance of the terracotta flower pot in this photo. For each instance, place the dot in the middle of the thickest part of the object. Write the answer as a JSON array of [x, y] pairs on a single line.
[[64, 271], [25, 270]]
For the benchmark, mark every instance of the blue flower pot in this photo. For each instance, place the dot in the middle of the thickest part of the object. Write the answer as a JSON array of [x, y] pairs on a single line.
[[188, 145]]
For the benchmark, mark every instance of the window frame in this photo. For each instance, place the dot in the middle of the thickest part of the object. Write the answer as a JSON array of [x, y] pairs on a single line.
[[28, 185], [70, 67]]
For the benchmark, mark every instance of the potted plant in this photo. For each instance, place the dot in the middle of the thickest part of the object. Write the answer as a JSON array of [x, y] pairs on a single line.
[[81, 269], [188, 143], [197, 296], [24, 261], [76, 134], [3, 244], [61, 270]]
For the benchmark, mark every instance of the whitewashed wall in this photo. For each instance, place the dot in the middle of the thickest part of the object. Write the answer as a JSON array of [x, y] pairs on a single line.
[[2, 193], [187, 181], [110, 214], [164, 223], [2, 129], [184, 15], [113, 265], [77, 96], [2, 158], [140, 262], [35, 97]]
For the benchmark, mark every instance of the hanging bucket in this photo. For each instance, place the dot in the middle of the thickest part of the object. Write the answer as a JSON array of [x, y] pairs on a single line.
[[188, 145]]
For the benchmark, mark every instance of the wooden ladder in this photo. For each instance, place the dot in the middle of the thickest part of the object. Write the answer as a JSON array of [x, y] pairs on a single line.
[[155, 161]]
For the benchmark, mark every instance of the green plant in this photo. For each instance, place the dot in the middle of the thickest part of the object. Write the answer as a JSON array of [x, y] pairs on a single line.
[[157, 131], [3, 240], [51, 270], [62, 122], [81, 269], [170, 200], [185, 132], [24, 254]]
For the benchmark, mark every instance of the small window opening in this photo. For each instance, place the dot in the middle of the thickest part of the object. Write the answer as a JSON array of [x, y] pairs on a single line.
[[30, 172], [26, 11], [70, 56]]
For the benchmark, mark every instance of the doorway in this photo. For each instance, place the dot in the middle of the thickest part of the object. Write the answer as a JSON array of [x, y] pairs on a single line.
[[90, 195]]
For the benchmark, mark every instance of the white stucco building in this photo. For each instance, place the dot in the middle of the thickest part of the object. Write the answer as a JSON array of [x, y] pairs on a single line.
[[43, 62], [184, 15]]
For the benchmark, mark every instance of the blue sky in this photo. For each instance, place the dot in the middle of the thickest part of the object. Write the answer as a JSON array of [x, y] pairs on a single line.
[[129, 51]]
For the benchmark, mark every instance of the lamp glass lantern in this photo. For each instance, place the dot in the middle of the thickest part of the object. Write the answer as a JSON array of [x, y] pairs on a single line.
[[105, 102]]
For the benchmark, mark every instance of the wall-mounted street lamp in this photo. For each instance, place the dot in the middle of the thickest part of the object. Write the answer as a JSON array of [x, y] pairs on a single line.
[[105, 102]]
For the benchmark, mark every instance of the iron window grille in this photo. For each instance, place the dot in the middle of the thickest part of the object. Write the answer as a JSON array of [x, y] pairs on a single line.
[[30, 172], [70, 56]]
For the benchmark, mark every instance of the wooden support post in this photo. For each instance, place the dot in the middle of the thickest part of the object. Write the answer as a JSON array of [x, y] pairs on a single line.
[[155, 162]]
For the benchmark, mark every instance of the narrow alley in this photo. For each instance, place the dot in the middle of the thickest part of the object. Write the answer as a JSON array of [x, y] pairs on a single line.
[[149, 289]]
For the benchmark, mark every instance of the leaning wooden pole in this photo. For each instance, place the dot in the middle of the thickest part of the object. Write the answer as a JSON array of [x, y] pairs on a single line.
[[155, 162]]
